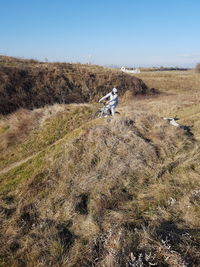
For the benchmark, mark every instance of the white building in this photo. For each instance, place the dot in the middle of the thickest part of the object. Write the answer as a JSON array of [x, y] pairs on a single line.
[[130, 71]]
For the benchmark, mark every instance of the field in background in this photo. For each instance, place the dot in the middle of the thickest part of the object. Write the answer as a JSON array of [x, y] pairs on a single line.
[[180, 96], [172, 81]]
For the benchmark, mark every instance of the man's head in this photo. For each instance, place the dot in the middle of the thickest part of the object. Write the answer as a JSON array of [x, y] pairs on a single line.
[[114, 90]]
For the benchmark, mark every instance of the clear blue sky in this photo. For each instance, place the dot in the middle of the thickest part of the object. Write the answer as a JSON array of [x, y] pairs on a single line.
[[118, 32]]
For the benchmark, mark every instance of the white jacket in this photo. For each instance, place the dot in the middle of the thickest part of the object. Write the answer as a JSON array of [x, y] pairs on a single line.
[[113, 99]]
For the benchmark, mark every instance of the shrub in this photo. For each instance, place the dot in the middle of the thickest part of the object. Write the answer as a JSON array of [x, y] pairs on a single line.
[[197, 68]]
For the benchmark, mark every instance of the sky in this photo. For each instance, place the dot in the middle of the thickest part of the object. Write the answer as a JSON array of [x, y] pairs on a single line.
[[105, 32]]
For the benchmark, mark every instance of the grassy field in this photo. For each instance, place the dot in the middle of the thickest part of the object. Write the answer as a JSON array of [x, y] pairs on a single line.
[[114, 192], [181, 96]]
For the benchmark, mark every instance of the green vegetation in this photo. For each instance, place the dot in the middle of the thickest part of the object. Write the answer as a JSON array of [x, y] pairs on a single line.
[[53, 129], [3, 129], [18, 175]]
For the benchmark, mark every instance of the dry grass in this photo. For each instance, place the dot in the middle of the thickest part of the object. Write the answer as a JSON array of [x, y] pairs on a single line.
[[120, 191], [50, 125], [181, 94], [172, 81], [27, 84], [89, 203], [16, 127], [197, 68]]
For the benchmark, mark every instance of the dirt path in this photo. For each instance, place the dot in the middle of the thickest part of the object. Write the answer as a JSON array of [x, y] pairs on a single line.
[[17, 164]]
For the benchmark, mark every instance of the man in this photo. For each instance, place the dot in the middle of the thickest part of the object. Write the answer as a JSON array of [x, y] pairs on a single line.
[[113, 101]]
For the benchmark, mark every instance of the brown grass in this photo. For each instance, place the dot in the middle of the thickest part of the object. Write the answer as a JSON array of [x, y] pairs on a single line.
[[197, 68], [181, 96], [120, 191], [91, 205], [27, 84], [16, 127], [172, 81]]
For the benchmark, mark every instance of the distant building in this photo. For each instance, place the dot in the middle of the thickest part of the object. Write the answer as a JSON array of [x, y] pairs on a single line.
[[130, 71]]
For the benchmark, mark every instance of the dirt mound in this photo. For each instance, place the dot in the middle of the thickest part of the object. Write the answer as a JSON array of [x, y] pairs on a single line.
[[32, 84], [105, 192]]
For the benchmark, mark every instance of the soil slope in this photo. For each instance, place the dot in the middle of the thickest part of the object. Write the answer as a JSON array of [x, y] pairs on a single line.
[[31, 84]]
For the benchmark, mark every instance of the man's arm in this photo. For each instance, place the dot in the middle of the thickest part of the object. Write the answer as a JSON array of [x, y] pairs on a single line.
[[104, 97]]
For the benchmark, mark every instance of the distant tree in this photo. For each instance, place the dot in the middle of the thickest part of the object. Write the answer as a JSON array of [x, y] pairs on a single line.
[[197, 68]]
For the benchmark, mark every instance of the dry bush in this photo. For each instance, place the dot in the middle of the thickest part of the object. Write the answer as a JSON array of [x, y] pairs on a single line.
[[108, 157], [197, 68], [17, 126], [49, 111]]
